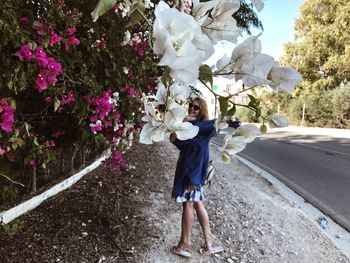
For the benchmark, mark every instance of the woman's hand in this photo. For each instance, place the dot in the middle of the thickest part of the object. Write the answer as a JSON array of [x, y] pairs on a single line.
[[190, 117]]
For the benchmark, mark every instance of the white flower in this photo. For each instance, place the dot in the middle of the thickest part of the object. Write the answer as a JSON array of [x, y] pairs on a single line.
[[241, 54], [125, 70], [284, 78], [255, 71], [249, 132], [161, 95], [148, 4], [221, 25], [179, 91], [259, 5], [201, 8], [126, 39], [178, 37], [175, 111], [183, 130], [233, 144], [278, 121], [222, 125], [172, 121]]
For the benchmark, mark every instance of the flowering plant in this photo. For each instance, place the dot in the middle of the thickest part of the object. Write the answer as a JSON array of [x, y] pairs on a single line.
[[184, 39]]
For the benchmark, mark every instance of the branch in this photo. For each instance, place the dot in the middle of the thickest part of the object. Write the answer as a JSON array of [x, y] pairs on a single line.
[[143, 16], [12, 181]]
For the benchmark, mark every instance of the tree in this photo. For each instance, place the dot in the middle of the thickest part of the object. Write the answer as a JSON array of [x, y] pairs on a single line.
[[321, 50]]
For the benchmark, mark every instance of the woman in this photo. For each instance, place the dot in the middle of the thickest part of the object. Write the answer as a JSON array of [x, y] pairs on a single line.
[[190, 175]]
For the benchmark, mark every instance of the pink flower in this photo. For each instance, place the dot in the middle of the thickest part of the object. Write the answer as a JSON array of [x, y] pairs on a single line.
[[2, 152], [51, 143], [41, 82], [48, 99], [55, 67], [93, 119], [71, 41], [42, 61], [71, 30], [25, 52], [40, 52], [24, 20], [32, 162], [50, 77], [54, 38], [7, 118]]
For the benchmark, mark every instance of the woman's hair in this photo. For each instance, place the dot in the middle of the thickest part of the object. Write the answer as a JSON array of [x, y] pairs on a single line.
[[203, 108]]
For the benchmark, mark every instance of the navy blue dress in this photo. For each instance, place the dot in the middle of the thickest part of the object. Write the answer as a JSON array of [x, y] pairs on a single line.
[[192, 165]]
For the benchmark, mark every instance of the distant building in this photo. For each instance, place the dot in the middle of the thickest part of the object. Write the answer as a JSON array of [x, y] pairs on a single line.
[[224, 87]]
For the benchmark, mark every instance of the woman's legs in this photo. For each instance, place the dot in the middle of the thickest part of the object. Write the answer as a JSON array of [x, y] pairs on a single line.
[[186, 227], [203, 219]]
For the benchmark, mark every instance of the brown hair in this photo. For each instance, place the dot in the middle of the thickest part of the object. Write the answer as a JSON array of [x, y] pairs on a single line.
[[203, 108]]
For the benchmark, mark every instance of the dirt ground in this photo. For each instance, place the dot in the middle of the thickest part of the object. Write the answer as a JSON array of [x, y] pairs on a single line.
[[130, 217]]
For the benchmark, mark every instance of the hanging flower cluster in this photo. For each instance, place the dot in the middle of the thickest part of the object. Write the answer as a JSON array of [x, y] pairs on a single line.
[[105, 114], [6, 116], [116, 161], [49, 68], [72, 40], [183, 43], [66, 99], [130, 91]]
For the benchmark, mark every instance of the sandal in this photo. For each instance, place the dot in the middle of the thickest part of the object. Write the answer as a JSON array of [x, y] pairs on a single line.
[[213, 250], [181, 252]]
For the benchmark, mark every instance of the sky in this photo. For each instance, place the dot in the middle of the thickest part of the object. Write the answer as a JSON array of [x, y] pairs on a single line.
[[277, 17]]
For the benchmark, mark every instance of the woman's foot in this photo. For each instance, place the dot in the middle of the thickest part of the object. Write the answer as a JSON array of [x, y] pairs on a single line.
[[212, 246], [181, 250], [209, 241]]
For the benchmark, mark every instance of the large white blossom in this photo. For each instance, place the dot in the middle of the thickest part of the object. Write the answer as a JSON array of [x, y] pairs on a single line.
[[181, 42], [232, 144], [284, 78], [169, 118], [219, 25], [254, 68], [248, 131], [278, 121]]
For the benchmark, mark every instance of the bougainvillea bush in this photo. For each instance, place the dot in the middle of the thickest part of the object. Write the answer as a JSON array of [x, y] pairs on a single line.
[[65, 80]]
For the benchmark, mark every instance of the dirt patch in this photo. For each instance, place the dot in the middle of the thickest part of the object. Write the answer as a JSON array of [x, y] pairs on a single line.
[[96, 220]]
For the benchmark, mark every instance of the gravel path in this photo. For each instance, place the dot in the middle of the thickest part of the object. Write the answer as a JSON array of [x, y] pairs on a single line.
[[253, 221]]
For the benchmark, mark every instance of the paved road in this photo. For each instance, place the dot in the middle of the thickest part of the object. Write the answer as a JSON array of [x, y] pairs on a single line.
[[316, 167]]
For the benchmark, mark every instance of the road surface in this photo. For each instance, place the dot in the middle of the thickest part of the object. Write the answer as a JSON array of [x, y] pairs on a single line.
[[316, 167]]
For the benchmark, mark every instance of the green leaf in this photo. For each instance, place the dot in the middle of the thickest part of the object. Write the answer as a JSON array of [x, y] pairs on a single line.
[[252, 98], [102, 7], [205, 74], [232, 111], [263, 129], [57, 103], [257, 113], [136, 13], [223, 106], [165, 79], [269, 112]]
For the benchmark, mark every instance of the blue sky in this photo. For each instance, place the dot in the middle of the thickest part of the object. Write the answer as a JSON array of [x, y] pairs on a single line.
[[277, 17]]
